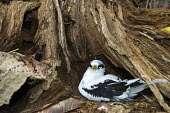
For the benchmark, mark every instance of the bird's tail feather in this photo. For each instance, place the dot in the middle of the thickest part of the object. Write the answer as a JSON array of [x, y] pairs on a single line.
[[157, 81], [136, 89]]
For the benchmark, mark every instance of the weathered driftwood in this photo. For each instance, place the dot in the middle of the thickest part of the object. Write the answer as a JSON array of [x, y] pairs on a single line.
[[46, 43], [70, 31], [14, 71], [12, 23]]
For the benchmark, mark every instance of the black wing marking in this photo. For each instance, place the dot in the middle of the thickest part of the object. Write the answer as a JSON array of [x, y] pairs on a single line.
[[136, 83], [108, 89]]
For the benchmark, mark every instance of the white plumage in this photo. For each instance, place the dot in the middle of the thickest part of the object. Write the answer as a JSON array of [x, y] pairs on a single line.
[[99, 87]]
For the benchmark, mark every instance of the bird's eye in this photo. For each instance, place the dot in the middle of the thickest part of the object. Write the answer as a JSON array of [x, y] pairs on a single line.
[[101, 66]]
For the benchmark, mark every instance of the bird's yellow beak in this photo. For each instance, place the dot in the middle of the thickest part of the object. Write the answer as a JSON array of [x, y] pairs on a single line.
[[94, 67]]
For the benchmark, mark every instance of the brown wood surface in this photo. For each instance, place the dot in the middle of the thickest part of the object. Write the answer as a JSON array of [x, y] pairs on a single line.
[[64, 35]]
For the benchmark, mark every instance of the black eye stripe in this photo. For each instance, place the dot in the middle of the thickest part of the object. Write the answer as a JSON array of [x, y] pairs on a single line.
[[102, 66]]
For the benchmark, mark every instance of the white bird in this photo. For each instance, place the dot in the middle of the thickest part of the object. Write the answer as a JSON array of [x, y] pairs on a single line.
[[99, 87]]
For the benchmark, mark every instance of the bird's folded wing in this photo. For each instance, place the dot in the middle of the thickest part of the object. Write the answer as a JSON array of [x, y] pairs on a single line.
[[107, 89]]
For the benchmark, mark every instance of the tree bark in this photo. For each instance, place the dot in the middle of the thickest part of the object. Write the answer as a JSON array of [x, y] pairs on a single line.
[[73, 31]]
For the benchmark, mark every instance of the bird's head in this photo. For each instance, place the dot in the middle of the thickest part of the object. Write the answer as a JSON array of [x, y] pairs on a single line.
[[97, 65]]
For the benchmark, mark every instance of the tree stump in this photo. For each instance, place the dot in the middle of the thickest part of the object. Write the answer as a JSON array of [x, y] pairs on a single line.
[[59, 38]]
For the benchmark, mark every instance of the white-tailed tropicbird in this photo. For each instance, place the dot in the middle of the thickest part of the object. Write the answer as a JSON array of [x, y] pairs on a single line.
[[99, 87]]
